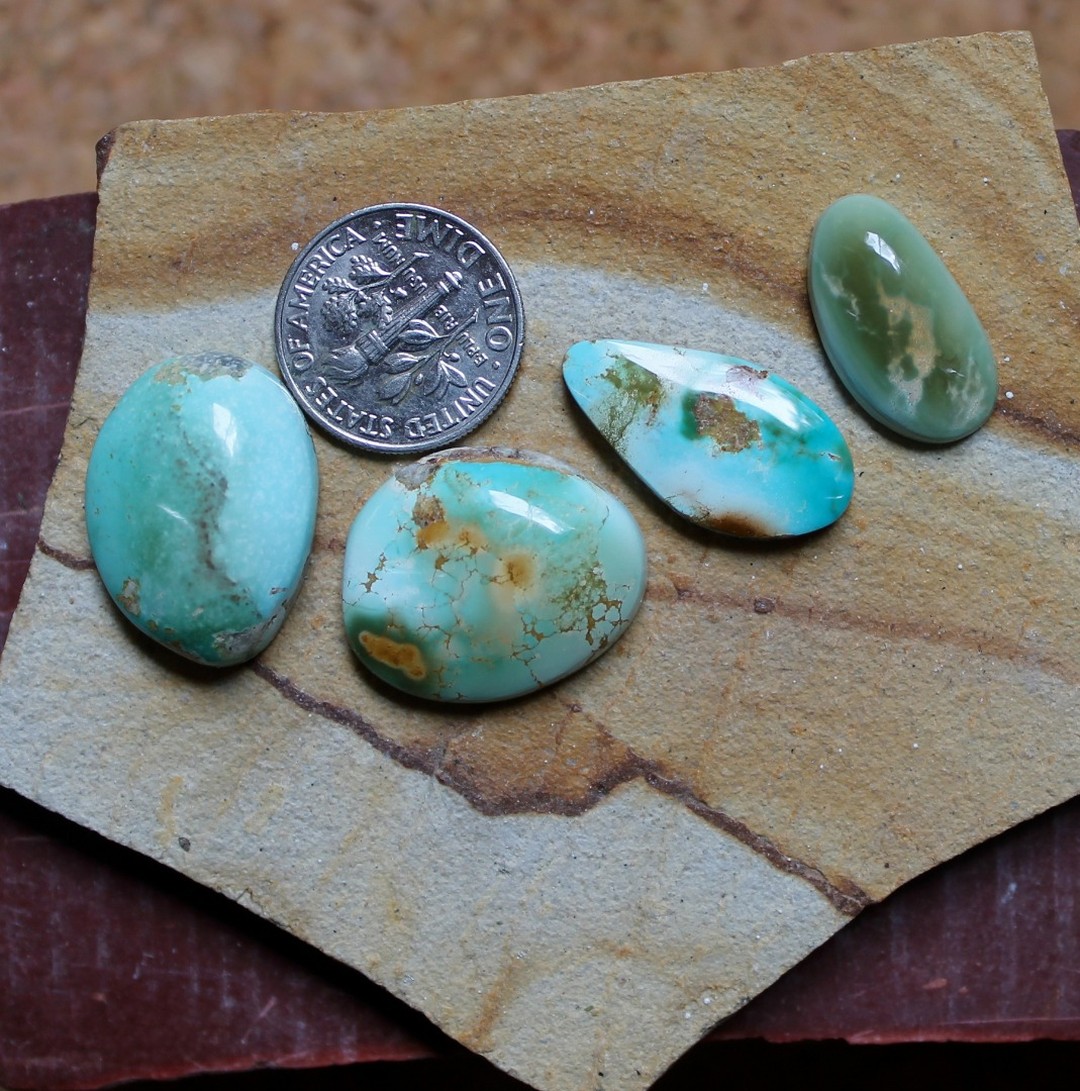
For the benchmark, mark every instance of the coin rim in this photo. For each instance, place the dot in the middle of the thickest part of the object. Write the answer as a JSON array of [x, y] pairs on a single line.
[[368, 444]]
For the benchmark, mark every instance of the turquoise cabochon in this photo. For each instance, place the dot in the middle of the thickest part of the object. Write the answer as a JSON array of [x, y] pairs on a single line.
[[897, 328], [725, 444], [484, 574], [201, 494]]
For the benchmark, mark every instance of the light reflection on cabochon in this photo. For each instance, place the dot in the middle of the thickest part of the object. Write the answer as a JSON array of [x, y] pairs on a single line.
[[480, 575], [728, 446], [896, 326]]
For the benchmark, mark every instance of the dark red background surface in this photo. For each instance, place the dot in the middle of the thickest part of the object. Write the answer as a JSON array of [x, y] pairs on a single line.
[[114, 968]]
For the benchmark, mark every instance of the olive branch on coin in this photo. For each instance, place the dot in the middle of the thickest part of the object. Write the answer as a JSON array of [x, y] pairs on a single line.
[[407, 368], [358, 312]]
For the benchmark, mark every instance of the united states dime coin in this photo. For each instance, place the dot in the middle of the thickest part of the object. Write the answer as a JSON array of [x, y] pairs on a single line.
[[398, 328]]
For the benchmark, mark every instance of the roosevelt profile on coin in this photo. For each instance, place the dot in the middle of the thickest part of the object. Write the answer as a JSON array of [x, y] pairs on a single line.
[[398, 328]]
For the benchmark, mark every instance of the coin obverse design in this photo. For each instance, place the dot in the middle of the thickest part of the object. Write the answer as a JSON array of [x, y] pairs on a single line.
[[398, 328]]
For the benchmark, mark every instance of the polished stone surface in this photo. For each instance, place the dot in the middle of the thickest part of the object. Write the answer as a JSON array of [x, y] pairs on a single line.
[[477, 575], [896, 326], [200, 505], [730, 446]]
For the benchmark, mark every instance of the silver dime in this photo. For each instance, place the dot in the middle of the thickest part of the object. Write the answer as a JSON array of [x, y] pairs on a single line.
[[398, 328]]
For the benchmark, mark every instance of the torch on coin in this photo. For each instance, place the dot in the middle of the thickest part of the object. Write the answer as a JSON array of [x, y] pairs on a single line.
[[399, 328]]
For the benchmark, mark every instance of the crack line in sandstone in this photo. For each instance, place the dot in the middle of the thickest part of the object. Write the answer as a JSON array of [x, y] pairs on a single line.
[[989, 645], [848, 901], [1045, 425]]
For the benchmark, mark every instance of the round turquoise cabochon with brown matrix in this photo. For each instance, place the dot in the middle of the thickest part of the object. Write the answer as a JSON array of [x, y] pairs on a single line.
[[896, 326], [479, 574]]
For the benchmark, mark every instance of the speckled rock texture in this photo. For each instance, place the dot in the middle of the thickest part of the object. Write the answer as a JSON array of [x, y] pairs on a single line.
[[784, 735]]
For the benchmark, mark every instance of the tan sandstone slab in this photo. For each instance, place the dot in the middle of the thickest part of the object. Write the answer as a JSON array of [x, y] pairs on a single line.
[[579, 884]]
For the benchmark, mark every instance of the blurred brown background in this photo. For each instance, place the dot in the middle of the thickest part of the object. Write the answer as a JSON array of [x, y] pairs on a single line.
[[70, 70]]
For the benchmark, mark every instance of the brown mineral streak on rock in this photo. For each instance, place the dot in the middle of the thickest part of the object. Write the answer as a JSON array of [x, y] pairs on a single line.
[[843, 893], [68, 560], [435, 533], [511, 780], [508, 779], [671, 242], [519, 570], [739, 526], [218, 250], [736, 525], [1046, 426], [800, 611]]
